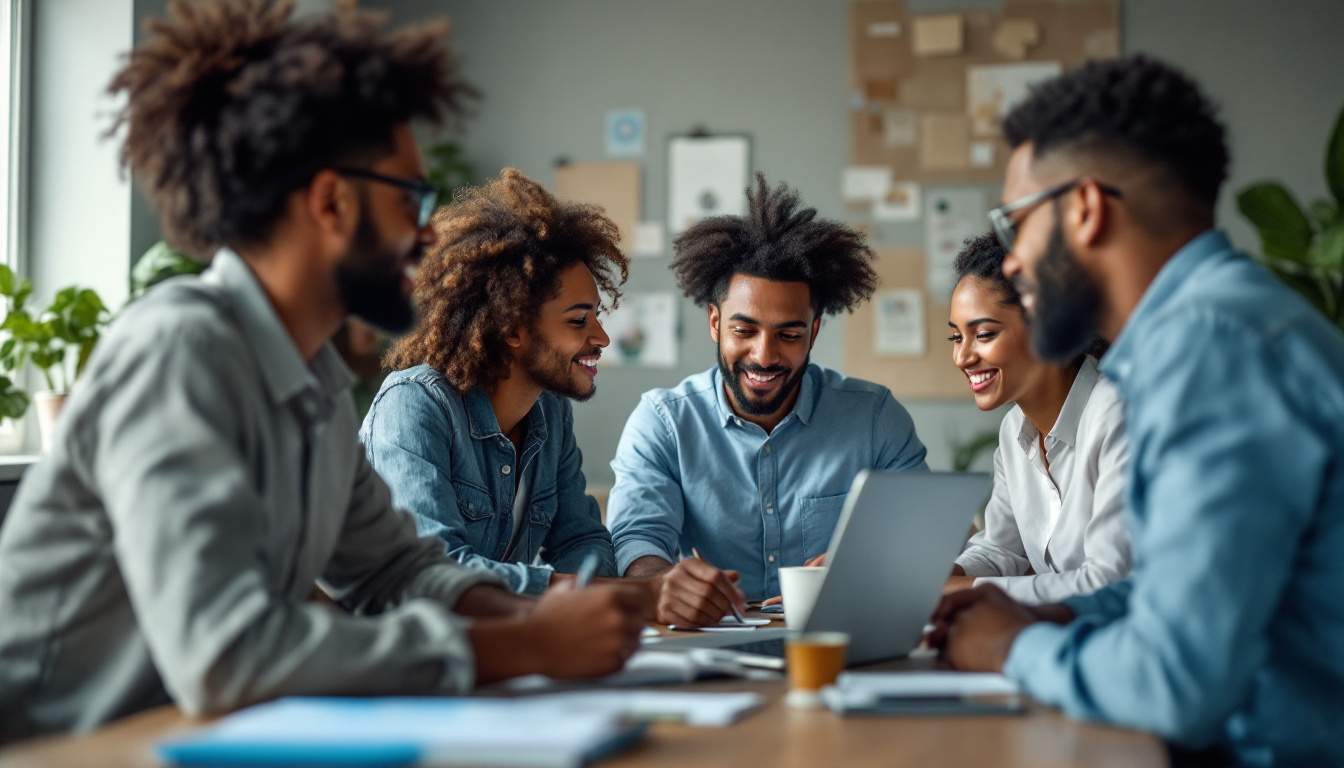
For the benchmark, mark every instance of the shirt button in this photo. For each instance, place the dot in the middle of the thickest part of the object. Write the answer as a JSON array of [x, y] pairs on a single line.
[[766, 450], [771, 558], [506, 469], [769, 508]]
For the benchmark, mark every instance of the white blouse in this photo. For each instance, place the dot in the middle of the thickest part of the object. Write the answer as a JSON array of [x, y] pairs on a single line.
[[1050, 534]]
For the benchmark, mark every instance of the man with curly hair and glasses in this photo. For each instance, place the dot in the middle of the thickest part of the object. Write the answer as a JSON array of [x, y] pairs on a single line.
[[473, 431], [1228, 637], [744, 468], [206, 472]]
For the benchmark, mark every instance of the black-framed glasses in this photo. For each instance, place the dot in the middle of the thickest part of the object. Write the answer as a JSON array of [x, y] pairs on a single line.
[[1005, 228], [424, 197]]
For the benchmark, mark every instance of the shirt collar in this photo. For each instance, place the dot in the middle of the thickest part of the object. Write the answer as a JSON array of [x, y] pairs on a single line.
[[483, 423], [285, 372], [1065, 429], [1119, 361], [802, 407]]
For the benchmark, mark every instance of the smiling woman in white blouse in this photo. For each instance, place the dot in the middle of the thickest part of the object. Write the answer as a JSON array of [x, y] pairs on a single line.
[[1055, 525]]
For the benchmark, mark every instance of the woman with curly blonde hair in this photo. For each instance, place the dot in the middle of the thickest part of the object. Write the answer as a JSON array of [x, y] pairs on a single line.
[[473, 431]]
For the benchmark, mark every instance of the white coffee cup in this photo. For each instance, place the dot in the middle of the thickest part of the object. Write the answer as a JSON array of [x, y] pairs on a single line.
[[799, 586]]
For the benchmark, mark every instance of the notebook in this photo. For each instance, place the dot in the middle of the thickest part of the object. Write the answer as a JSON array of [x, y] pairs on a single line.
[[406, 731]]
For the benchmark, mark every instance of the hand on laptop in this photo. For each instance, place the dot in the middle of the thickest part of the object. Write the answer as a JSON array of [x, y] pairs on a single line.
[[973, 629], [695, 593]]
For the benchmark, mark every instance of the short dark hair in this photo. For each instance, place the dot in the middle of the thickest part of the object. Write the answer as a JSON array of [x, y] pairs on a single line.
[[1134, 105], [498, 257], [776, 240], [232, 105], [982, 257]]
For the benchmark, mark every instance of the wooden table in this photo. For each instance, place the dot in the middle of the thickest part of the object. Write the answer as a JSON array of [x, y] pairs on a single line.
[[778, 736]]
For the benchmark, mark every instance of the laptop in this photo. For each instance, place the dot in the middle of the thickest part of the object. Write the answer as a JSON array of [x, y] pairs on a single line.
[[889, 557]]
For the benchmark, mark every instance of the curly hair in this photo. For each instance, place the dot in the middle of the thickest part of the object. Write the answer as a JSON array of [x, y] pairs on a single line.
[[982, 257], [1137, 105], [232, 105], [776, 240], [498, 255]]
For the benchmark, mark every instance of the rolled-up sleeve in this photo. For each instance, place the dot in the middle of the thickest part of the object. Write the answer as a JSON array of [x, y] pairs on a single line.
[[645, 509], [190, 535]]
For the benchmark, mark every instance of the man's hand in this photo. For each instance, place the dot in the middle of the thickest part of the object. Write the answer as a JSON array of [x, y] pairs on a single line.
[[569, 633], [958, 583], [975, 628], [587, 632], [695, 593]]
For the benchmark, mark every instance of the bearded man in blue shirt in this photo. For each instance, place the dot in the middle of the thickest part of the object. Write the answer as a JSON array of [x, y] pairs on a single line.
[[748, 463], [1228, 638]]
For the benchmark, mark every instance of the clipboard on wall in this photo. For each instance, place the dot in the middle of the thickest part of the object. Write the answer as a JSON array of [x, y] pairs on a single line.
[[708, 175]]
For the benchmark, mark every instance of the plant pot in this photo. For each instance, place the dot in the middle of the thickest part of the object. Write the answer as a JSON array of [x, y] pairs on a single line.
[[49, 406], [11, 435]]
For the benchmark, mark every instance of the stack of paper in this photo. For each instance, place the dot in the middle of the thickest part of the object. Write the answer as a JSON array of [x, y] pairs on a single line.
[[698, 709], [406, 731], [944, 693]]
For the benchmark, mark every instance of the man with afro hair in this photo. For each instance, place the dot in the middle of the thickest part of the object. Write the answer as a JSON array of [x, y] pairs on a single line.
[[206, 473], [747, 464]]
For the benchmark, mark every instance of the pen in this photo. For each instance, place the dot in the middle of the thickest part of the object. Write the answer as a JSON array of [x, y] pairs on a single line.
[[731, 605], [586, 570]]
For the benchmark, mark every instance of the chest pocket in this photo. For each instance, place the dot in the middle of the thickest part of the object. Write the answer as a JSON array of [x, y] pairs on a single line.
[[543, 506], [820, 515], [476, 511]]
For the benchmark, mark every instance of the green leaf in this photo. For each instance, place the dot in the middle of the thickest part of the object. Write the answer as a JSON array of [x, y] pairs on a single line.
[[1334, 160], [1327, 253], [159, 263], [1324, 214], [1285, 232], [6, 280]]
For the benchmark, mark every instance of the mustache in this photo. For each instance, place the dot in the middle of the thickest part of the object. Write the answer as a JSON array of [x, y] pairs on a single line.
[[759, 369]]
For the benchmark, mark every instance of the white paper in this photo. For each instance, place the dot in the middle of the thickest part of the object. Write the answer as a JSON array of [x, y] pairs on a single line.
[[992, 91], [707, 177], [926, 684], [898, 323], [643, 331], [884, 29], [625, 132], [865, 183], [648, 240], [982, 154], [951, 217], [695, 709], [901, 203], [900, 127]]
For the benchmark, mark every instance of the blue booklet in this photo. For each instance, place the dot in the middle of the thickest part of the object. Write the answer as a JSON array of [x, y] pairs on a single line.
[[404, 731]]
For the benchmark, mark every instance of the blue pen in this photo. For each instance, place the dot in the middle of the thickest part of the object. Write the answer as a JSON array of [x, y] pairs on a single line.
[[586, 570]]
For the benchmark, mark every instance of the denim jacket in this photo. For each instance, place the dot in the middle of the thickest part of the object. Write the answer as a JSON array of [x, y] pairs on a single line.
[[447, 462]]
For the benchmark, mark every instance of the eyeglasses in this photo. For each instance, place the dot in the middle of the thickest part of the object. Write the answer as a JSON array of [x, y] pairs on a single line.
[[422, 195], [1005, 228]]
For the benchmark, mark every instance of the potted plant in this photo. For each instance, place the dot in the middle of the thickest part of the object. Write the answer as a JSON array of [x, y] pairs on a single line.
[[57, 342], [1305, 248], [160, 262], [13, 404]]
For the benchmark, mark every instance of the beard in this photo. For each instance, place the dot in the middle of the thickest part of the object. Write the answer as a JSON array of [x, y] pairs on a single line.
[[745, 400], [550, 368], [369, 278], [1065, 318]]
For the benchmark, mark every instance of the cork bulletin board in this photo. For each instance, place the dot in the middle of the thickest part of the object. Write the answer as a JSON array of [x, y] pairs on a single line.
[[927, 95]]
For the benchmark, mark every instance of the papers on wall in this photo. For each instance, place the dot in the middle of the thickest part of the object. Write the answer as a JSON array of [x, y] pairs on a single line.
[[643, 331], [937, 35], [991, 91], [625, 133], [865, 183], [901, 203], [884, 29], [900, 127], [951, 217], [648, 240], [1013, 37], [945, 140], [612, 186], [899, 323], [982, 154], [404, 731], [708, 176]]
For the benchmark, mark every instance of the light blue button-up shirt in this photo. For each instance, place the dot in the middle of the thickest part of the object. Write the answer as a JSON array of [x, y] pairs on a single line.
[[690, 473], [1231, 626]]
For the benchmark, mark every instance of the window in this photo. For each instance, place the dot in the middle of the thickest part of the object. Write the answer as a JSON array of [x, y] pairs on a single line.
[[12, 22]]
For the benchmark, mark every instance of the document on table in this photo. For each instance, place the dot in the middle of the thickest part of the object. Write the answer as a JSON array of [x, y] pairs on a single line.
[[927, 683], [697, 709], [923, 693], [726, 624]]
